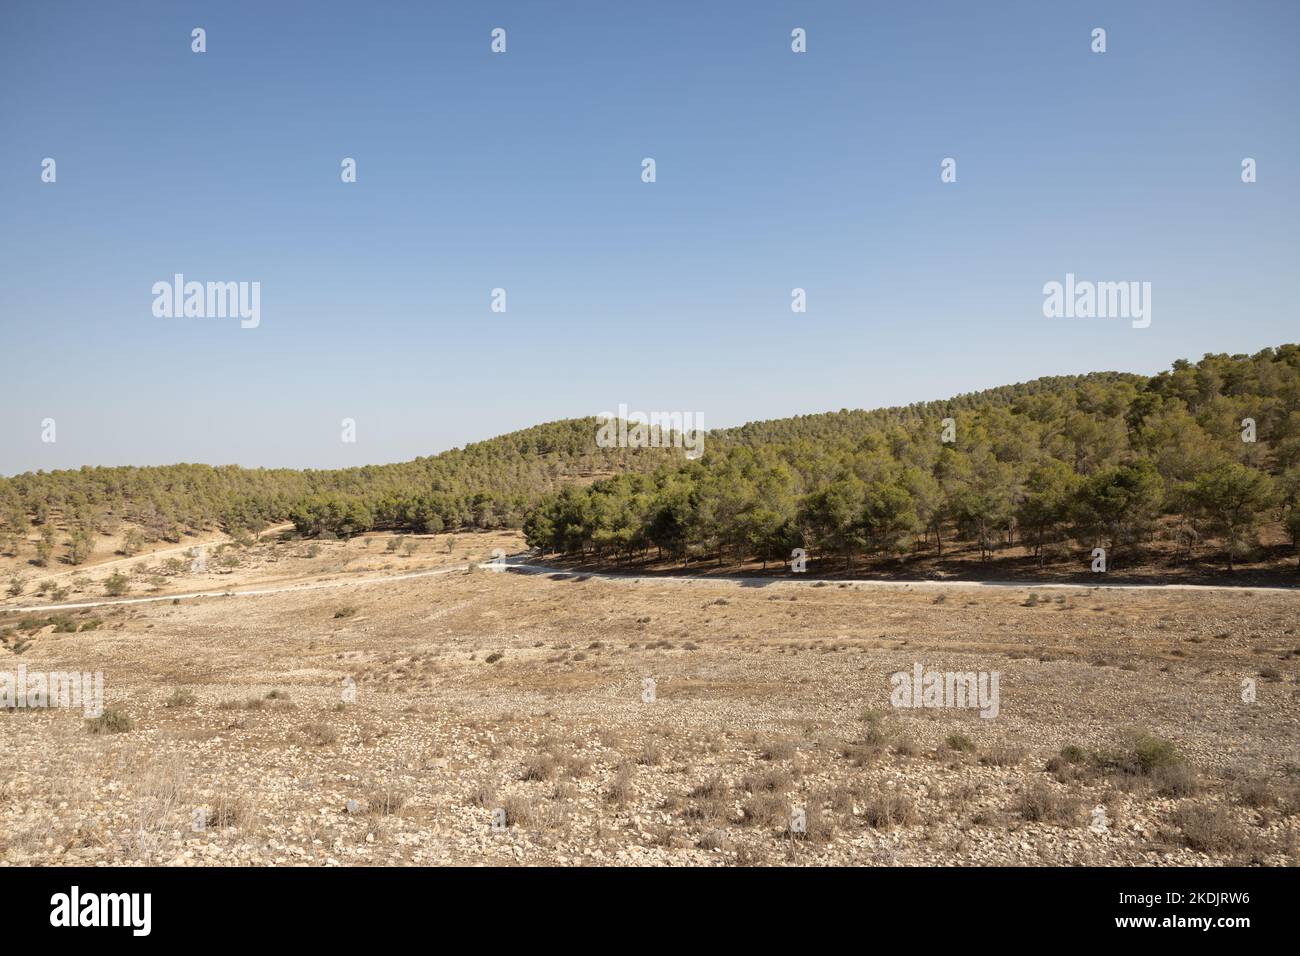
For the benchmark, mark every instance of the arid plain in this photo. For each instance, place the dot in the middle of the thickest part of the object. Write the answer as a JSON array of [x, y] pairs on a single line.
[[405, 704]]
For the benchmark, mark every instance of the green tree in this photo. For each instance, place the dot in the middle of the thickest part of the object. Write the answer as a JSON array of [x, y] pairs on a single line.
[[80, 544], [1233, 498], [833, 515], [1119, 504], [1050, 493]]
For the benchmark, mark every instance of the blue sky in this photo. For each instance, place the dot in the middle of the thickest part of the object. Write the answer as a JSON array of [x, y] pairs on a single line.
[[522, 171]]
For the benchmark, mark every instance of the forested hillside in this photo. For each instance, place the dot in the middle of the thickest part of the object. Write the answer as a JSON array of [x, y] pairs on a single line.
[[490, 484], [1203, 455]]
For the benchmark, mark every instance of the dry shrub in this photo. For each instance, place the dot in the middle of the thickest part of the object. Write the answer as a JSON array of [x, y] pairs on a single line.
[[180, 697], [160, 789], [861, 755], [229, 810], [520, 811], [960, 743], [564, 790], [1175, 780], [818, 825], [319, 733], [716, 840], [766, 809], [575, 767], [1040, 804], [779, 750], [384, 801], [769, 781], [875, 734], [622, 790], [540, 767], [1256, 794], [709, 801], [111, 721], [887, 810], [1210, 829], [1003, 755], [905, 746]]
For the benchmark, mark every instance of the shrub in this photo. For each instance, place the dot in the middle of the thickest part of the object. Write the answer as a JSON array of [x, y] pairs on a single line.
[[708, 801], [622, 791], [1003, 755], [771, 781], [888, 810], [117, 584], [766, 809], [960, 743], [905, 746], [714, 841], [1210, 830], [1175, 780], [1040, 804], [111, 721], [779, 750], [1255, 794], [1071, 753], [540, 767], [1151, 752], [385, 801], [320, 733], [229, 810], [1145, 755]]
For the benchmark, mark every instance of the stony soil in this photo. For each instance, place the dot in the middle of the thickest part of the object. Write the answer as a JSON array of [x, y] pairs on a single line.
[[482, 695]]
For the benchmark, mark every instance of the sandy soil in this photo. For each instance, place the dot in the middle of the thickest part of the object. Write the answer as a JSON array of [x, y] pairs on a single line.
[[521, 699]]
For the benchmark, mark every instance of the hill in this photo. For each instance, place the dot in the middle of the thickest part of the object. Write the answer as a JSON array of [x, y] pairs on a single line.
[[1204, 451]]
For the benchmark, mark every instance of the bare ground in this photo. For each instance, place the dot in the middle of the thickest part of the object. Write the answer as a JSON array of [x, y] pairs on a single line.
[[483, 695]]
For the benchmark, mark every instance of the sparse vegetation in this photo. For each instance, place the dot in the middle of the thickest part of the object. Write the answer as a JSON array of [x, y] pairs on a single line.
[[883, 811], [111, 721], [1210, 829], [960, 743], [181, 697]]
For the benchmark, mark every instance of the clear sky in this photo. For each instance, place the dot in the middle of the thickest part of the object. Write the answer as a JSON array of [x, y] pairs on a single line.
[[522, 170]]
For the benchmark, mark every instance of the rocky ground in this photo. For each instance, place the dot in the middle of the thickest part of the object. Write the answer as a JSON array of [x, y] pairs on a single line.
[[484, 717]]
